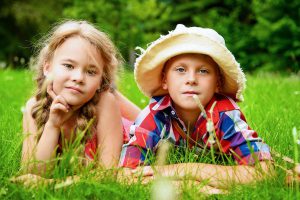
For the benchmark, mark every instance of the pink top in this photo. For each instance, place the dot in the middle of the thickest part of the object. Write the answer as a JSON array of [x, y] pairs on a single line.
[[91, 145]]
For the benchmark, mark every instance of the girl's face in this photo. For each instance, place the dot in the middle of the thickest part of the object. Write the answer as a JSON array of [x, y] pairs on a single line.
[[76, 69], [187, 75]]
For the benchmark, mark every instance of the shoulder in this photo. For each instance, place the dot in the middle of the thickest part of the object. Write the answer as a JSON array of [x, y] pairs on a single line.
[[28, 121], [107, 102], [29, 105], [225, 103], [154, 111], [221, 104]]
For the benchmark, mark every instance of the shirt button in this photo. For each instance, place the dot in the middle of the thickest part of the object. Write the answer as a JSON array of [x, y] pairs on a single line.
[[173, 112]]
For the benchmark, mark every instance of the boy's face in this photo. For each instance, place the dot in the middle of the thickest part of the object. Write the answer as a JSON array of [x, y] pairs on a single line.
[[188, 74]]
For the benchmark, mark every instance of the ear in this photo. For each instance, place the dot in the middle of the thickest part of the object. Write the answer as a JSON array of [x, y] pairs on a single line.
[[46, 68], [217, 90], [164, 81]]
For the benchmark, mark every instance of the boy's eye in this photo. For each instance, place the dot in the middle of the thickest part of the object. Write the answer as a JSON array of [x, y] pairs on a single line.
[[68, 66], [180, 69]]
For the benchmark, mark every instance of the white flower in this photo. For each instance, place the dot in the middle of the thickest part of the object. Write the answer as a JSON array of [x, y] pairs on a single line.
[[196, 98], [209, 126], [163, 189]]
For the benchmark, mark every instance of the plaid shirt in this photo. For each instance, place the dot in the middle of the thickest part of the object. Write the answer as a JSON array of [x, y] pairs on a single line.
[[232, 131]]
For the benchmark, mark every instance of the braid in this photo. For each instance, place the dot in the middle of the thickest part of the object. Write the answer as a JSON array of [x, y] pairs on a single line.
[[40, 111], [86, 113]]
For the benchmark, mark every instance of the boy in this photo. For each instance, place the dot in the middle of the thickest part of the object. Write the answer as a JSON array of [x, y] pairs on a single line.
[[191, 63]]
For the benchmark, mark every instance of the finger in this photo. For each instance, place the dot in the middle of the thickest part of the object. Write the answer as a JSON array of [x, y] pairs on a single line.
[[21, 178], [62, 100], [209, 190], [59, 107], [148, 171], [126, 172], [50, 91], [147, 179], [144, 171], [297, 169]]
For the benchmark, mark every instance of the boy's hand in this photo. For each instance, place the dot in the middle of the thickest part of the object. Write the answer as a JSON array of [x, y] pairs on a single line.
[[60, 111], [293, 176], [141, 175], [143, 171]]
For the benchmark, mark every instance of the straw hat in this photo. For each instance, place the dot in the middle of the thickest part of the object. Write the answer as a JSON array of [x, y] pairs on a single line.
[[149, 65]]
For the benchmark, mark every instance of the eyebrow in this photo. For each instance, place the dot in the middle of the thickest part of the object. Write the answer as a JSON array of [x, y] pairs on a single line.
[[74, 62]]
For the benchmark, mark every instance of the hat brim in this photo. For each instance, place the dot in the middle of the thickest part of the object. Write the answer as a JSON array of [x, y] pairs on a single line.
[[149, 66]]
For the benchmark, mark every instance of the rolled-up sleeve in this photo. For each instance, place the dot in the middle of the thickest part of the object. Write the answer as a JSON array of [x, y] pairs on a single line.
[[237, 138]]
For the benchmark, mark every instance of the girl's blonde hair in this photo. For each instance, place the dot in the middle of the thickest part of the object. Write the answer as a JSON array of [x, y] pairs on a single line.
[[46, 49]]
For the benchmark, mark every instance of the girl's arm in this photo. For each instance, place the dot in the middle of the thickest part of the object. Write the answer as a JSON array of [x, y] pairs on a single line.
[[29, 131], [44, 149], [33, 150], [109, 130], [128, 109]]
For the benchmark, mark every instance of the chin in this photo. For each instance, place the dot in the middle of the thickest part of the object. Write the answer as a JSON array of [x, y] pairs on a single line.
[[190, 107], [74, 102]]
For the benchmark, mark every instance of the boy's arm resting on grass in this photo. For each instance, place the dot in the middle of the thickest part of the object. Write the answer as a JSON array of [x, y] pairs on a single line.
[[109, 130], [218, 176]]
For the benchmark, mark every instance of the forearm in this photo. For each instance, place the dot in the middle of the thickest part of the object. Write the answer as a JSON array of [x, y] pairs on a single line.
[[216, 175], [109, 131], [47, 144]]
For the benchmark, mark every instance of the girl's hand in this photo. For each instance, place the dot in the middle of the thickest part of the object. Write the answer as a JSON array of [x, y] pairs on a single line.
[[31, 180], [60, 111]]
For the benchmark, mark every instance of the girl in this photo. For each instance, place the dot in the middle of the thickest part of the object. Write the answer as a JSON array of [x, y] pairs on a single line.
[[76, 68]]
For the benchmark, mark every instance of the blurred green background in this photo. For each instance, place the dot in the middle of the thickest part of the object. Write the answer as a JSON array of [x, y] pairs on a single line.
[[262, 34]]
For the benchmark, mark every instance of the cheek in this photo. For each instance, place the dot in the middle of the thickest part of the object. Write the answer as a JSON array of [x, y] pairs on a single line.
[[58, 81], [56, 86]]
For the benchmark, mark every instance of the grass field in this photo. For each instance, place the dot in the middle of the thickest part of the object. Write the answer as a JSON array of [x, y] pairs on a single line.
[[272, 107]]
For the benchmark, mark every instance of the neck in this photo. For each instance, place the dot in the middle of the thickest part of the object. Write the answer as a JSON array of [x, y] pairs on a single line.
[[189, 117]]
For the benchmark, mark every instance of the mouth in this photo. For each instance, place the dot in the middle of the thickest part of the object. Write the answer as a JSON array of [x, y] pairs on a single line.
[[75, 89], [190, 93]]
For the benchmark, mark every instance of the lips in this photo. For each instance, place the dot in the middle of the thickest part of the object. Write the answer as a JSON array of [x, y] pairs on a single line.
[[75, 89], [191, 93]]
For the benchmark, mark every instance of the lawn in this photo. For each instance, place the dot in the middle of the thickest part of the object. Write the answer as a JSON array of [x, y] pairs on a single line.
[[271, 105]]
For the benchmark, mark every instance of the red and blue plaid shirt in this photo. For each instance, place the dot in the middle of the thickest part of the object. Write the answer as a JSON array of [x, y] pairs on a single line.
[[154, 123]]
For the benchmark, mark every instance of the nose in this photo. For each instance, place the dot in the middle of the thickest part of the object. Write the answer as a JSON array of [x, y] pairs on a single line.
[[191, 78], [78, 76]]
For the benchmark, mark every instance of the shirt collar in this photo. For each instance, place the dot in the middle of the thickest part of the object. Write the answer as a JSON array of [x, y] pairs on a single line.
[[160, 103]]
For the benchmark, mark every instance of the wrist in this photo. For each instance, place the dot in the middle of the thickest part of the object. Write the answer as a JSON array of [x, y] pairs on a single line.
[[51, 126]]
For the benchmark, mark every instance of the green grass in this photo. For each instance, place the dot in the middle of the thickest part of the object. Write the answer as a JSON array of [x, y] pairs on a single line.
[[271, 106]]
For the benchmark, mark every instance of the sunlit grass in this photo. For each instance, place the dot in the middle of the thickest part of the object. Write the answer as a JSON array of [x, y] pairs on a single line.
[[271, 106]]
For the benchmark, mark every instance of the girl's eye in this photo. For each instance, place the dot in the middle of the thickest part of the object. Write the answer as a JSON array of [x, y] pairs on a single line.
[[91, 72], [68, 66], [203, 71], [180, 69]]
